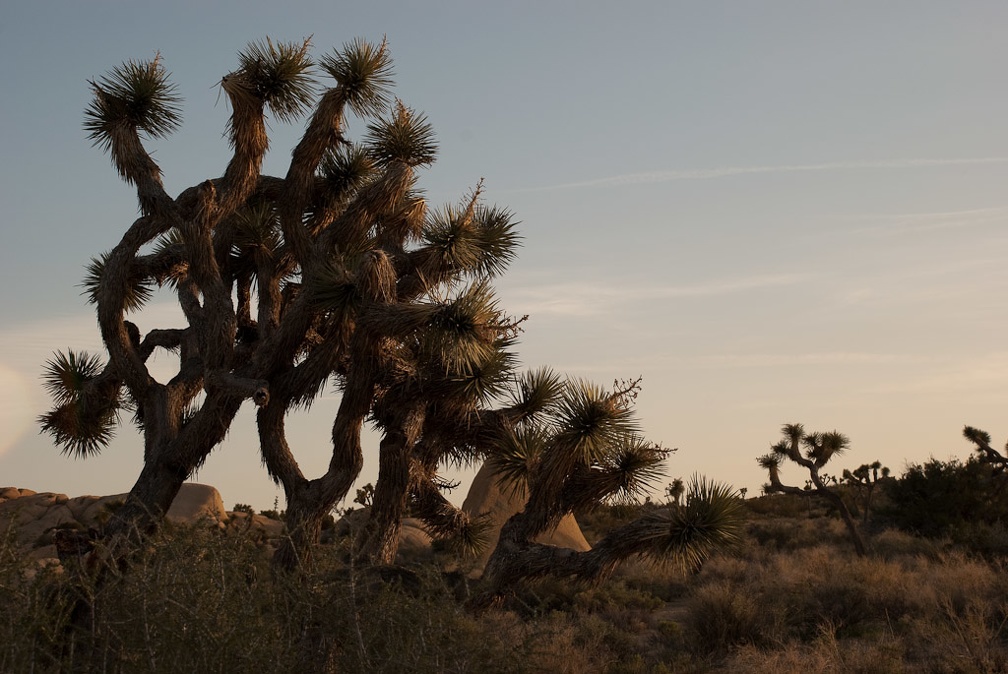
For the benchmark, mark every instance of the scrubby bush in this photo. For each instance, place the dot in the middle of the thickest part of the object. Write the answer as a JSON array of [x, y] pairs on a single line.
[[202, 600], [949, 498]]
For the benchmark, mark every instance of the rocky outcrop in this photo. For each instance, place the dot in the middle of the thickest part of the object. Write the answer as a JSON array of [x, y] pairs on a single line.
[[195, 503], [487, 499], [33, 518], [414, 541]]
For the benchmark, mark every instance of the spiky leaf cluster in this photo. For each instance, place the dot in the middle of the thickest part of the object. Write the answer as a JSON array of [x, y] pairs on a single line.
[[534, 394], [982, 439], [477, 242], [138, 287], [405, 137], [332, 288], [66, 374], [516, 458], [821, 447], [590, 422], [709, 520], [278, 74], [257, 236], [83, 419], [462, 333], [575, 443], [364, 73], [344, 169], [136, 95], [170, 249], [636, 468]]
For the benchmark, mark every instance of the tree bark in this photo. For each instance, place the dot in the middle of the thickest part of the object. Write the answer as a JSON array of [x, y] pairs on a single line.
[[381, 542], [392, 491], [848, 519]]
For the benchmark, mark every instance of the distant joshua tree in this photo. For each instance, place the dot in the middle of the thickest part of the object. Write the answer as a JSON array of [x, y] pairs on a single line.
[[864, 479], [819, 449], [337, 274], [675, 490], [987, 453]]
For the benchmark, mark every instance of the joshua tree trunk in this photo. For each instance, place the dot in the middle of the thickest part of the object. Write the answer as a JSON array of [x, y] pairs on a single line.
[[303, 522], [388, 506], [381, 542], [845, 514], [308, 502]]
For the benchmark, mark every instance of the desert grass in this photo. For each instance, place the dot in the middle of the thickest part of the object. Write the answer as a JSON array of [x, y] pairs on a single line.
[[793, 598]]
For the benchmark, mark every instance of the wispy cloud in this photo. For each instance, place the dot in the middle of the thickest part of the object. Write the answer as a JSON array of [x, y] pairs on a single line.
[[652, 177], [758, 360], [897, 224], [729, 363], [976, 377], [589, 299]]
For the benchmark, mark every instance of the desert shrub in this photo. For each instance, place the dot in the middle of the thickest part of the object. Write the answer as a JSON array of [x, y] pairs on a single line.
[[796, 533], [34, 612], [662, 582], [824, 654], [202, 600], [894, 543], [962, 624], [939, 498], [986, 538], [721, 617], [781, 505], [799, 592]]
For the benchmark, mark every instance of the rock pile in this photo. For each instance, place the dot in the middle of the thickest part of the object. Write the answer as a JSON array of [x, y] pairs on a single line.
[[487, 499], [33, 518]]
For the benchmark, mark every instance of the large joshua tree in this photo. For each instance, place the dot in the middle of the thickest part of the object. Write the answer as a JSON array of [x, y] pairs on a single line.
[[335, 274], [819, 449]]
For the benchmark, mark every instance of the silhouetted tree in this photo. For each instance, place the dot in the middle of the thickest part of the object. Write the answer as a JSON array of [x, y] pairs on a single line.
[[675, 490], [981, 439], [336, 273], [864, 479], [585, 450], [819, 449]]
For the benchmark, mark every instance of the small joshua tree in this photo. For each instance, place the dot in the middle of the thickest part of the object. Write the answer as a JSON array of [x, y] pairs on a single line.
[[819, 449], [864, 478], [583, 450], [981, 439], [675, 490]]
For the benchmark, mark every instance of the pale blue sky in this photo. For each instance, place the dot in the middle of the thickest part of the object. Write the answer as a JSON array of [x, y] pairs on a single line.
[[773, 211]]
